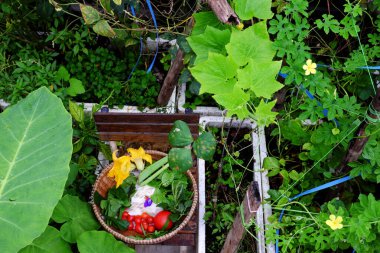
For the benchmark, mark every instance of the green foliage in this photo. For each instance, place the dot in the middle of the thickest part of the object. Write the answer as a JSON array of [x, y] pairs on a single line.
[[77, 217], [246, 9], [225, 73], [48, 241], [101, 241], [180, 135], [204, 146], [180, 158], [35, 149]]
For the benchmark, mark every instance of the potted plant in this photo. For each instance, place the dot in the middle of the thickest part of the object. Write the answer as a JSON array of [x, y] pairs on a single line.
[[149, 204]]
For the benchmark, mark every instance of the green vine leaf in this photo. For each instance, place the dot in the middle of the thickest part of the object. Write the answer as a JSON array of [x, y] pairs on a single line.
[[204, 146], [235, 102], [180, 135], [104, 29], [180, 158], [203, 20], [76, 87], [247, 9], [252, 43], [211, 40], [215, 74], [264, 114], [89, 14], [260, 77]]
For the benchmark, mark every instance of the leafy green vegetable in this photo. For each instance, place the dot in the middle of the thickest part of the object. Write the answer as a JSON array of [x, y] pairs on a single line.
[[100, 242]]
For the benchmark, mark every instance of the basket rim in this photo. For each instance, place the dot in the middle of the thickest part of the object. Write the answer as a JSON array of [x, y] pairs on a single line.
[[157, 240]]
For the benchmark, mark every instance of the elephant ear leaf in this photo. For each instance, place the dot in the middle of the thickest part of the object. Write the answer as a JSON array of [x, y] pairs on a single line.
[[35, 152]]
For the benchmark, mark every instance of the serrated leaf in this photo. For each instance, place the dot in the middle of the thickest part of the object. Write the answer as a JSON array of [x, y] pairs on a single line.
[[211, 40], [35, 152], [76, 111], [263, 113], [260, 77], [104, 29], [204, 146], [167, 178], [180, 135], [180, 158], [100, 242], [215, 74], [251, 43], [235, 102], [77, 217], [247, 9], [76, 87], [48, 241], [89, 14]]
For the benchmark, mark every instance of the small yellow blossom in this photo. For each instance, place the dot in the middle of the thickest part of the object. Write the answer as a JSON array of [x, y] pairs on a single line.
[[138, 155], [120, 169], [310, 67], [335, 222], [240, 26]]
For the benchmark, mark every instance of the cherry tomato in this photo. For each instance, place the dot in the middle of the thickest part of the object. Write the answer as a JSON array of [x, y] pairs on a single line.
[[137, 219], [144, 215], [144, 225], [150, 220], [124, 216], [138, 229], [131, 226], [142, 220], [151, 229], [131, 218], [162, 220]]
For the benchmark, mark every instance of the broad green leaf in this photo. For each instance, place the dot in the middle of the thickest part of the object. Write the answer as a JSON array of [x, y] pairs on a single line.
[[204, 19], [216, 74], [48, 241], [204, 146], [89, 14], [251, 43], [63, 74], [180, 158], [212, 40], [106, 4], [235, 102], [77, 217], [76, 111], [264, 115], [100, 242], [271, 163], [167, 178], [260, 77], [180, 135], [35, 152], [76, 87], [103, 28], [247, 9]]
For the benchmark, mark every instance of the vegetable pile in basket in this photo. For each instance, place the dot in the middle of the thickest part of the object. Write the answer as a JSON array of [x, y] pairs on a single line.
[[149, 201]]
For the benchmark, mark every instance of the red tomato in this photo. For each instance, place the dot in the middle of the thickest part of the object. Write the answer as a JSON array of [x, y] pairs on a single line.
[[162, 220], [138, 229], [130, 227], [131, 218], [124, 216], [150, 220], [151, 229], [137, 219], [145, 225], [144, 215]]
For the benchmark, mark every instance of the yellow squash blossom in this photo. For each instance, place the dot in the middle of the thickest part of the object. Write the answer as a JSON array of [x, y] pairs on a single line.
[[138, 155], [120, 169], [310, 67], [335, 222]]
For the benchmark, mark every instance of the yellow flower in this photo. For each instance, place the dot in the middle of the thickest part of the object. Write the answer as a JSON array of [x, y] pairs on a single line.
[[310, 67], [240, 26], [137, 157], [335, 222], [120, 169]]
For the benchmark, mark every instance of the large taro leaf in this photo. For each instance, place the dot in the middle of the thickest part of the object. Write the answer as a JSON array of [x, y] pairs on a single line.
[[100, 242], [35, 151]]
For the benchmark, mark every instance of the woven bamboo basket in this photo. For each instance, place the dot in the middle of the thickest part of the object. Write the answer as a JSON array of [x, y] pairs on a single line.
[[104, 183]]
